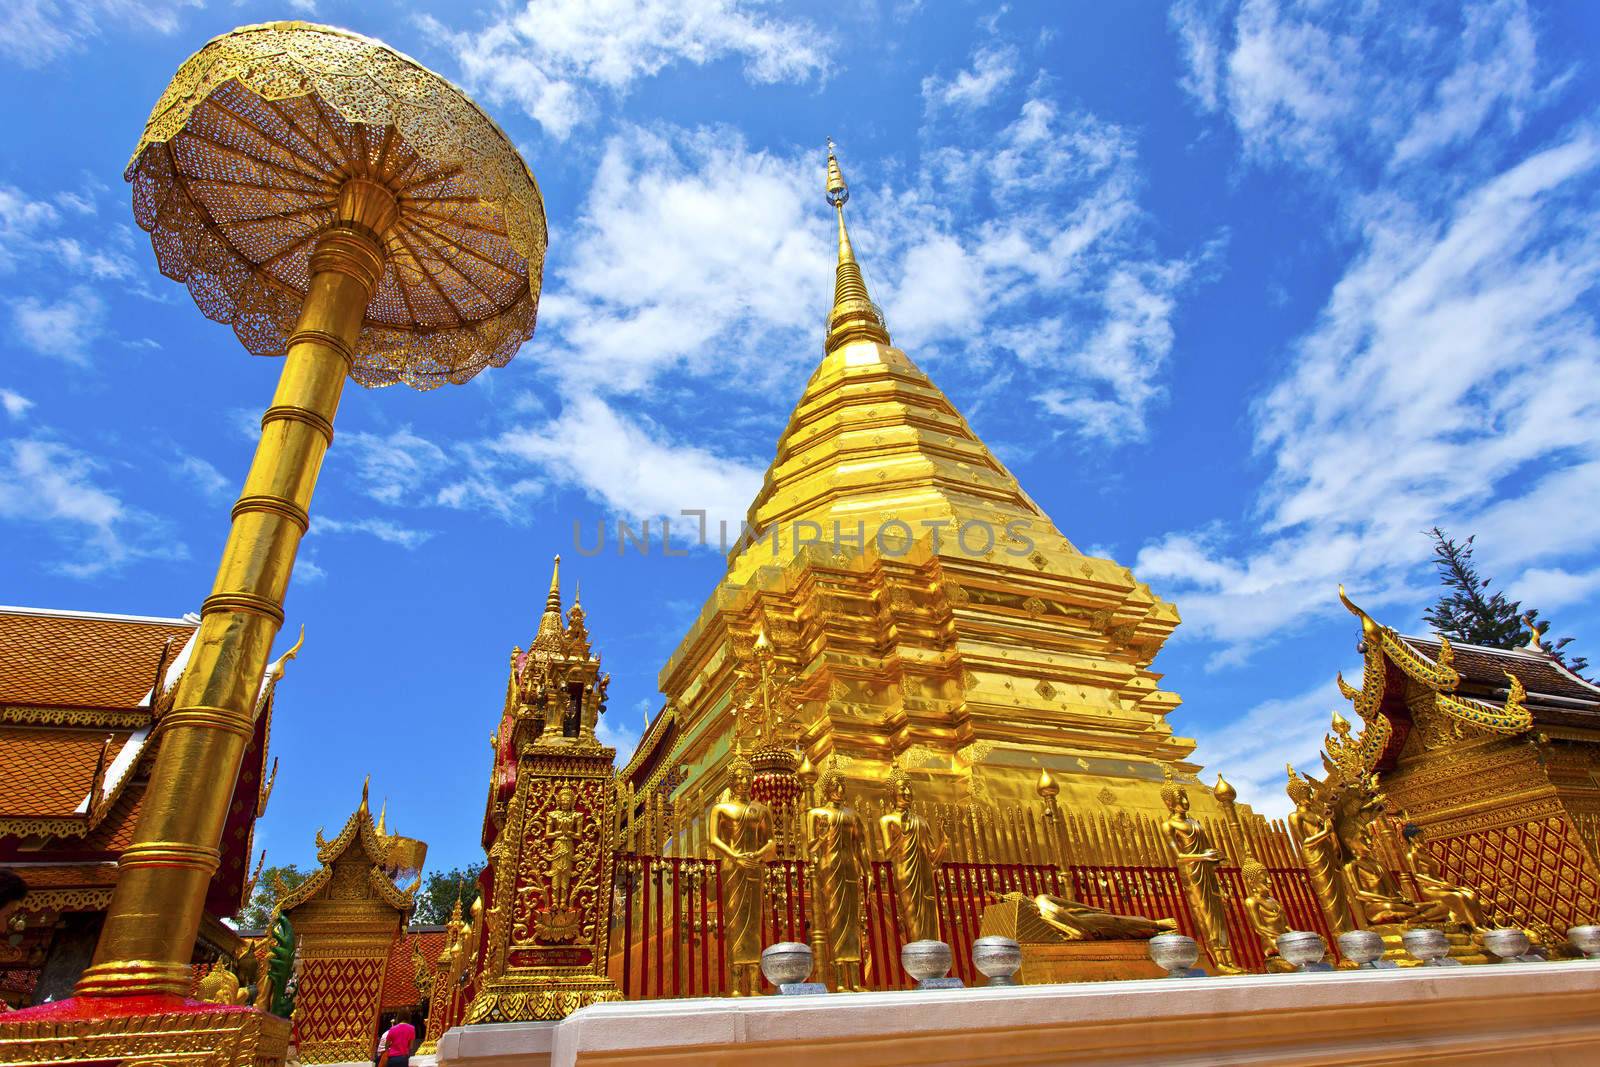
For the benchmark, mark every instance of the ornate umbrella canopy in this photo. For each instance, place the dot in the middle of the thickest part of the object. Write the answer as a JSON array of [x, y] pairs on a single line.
[[239, 170]]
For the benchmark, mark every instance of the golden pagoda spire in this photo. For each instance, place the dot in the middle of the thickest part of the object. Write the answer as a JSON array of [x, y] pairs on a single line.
[[550, 627], [854, 316]]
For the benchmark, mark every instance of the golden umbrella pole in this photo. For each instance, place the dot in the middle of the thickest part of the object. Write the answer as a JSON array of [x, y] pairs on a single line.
[[149, 932], [342, 206]]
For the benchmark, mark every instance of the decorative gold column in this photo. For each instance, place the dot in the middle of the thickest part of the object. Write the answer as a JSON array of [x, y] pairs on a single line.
[[155, 911], [378, 227]]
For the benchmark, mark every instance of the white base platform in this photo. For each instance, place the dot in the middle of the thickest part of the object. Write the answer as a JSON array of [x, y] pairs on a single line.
[[1501, 1014]]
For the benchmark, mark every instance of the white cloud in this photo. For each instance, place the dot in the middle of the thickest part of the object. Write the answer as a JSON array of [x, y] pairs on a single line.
[[63, 328], [611, 731], [385, 530], [633, 468], [15, 404], [51, 484], [1328, 86], [203, 476], [1250, 750], [1449, 380], [34, 32], [993, 68], [691, 251], [404, 468], [22, 221], [1552, 588], [394, 467], [543, 57]]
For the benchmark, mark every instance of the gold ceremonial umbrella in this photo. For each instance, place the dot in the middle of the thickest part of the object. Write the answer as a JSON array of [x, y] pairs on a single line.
[[342, 206]]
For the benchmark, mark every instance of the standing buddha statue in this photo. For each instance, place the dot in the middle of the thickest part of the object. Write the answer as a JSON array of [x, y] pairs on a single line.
[[1198, 861], [908, 841], [741, 833], [1313, 828], [836, 840]]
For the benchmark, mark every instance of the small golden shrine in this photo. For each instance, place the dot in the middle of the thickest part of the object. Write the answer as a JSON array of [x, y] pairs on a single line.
[[81, 694], [929, 611], [545, 921], [347, 918], [1491, 755]]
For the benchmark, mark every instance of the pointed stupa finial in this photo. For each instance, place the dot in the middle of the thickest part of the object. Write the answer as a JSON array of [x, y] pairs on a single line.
[[383, 817], [854, 316], [553, 601], [550, 627]]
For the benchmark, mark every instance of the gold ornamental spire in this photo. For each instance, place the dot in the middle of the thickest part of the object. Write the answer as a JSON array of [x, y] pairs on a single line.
[[550, 627], [854, 316]]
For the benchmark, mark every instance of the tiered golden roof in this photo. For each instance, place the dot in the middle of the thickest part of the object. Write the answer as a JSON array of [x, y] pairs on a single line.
[[926, 605]]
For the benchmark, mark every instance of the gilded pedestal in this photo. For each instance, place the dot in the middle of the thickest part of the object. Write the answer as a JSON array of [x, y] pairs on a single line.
[[549, 908], [1049, 955]]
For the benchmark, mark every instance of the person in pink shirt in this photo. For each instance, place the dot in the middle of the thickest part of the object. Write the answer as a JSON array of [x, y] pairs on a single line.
[[394, 1048]]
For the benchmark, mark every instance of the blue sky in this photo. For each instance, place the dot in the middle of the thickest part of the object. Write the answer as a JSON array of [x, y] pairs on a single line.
[[1247, 296]]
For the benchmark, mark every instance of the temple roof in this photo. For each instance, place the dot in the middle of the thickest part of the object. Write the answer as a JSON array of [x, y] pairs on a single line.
[[1553, 692], [377, 848], [82, 659], [80, 695]]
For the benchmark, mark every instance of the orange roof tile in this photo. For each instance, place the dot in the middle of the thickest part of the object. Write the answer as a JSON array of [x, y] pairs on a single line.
[[46, 772], [400, 973], [81, 659]]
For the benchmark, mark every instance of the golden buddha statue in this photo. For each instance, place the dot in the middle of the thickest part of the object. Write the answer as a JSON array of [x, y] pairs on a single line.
[[561, 833], [1198, 861], [1268, 918], [836, 839], [1376, 895], [741, 833], [1461, 902], [1312, 826], [1077, 921], [220, 986], [908, 841]]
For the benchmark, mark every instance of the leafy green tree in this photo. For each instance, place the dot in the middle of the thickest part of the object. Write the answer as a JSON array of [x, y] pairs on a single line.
[[441, 890], [1471, 612], [258, 913]]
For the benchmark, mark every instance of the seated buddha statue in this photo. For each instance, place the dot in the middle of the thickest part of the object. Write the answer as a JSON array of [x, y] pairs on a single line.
[[1375, 893], [1461, 902]]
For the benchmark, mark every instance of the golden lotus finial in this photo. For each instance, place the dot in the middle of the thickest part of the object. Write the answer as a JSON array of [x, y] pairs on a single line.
[[1341, 725], [1224, 791], [1047, 787], [806, 772]]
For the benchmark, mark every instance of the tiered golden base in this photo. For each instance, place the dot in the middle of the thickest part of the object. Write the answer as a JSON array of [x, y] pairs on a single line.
[[142, 1032], [1087, 961], [533, 1001]]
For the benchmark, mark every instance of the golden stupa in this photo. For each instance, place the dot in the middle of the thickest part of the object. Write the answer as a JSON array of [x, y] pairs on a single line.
[[927, 610]]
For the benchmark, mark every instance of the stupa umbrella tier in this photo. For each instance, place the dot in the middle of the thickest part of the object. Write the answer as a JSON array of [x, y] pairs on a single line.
[[241, 168], [342, 206]]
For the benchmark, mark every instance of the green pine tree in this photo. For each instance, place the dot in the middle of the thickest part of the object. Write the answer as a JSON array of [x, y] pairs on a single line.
[[1471, 612], [441, 890], [258, 913]]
